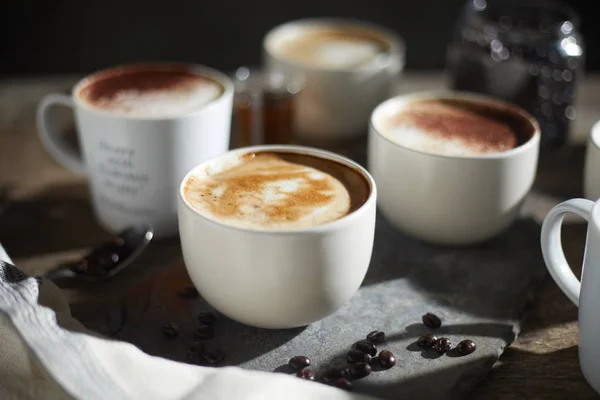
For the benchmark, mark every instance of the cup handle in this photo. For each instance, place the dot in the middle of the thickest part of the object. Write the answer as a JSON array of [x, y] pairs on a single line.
[[552, 251], [50, 136]]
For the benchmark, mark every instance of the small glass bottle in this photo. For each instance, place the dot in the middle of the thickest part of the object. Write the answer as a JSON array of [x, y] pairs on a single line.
[[264, 107]]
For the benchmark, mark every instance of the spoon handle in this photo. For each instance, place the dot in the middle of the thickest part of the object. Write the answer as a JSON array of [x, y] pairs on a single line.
[[106, 259]]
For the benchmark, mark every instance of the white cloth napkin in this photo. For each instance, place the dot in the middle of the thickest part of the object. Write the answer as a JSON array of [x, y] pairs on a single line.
[[47, 354]]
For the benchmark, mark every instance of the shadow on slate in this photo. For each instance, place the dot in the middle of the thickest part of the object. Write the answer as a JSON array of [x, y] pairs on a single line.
[[64, 208], [479, 292], [242, 343], [492, 279]]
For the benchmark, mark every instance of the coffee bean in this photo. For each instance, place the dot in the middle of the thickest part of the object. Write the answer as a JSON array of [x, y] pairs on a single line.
[[195, 351], [355, 356], [117, 241], [359, 370], [306, 374], [212, 358], [432, 320], [331, 375], [170, 330], [387, 359], [204, 332], [191, 357], [206, 318], [189, 292], [197, 347], [343, 383], [376, 337], [345, 372], [334, 373], [366, 347], [442, 345], [298, 362], [427, 340], [466, 347]]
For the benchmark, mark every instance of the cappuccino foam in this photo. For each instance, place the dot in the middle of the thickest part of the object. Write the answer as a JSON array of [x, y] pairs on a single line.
[[150, 93], [332, 48], [440, 127], [270, 190]]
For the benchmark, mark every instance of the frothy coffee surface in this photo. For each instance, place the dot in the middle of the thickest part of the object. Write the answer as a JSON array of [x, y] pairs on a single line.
[[150, 93], [272, 190], [332, 48], [448, 128]]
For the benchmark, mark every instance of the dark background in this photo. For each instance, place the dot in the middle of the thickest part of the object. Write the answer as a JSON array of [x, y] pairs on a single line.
[[79, 36]]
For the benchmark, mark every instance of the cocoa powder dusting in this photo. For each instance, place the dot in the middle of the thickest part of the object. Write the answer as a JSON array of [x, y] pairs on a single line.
[[475, 131]]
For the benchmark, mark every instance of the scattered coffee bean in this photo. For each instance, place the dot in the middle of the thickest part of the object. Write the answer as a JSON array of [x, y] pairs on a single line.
[[204, 332], [170, 330], [331, 375], [334, 373], [355, 356], [427, 340], [366, 347], [343, 383], [118, 241], [197, 347], [306, 373], [298, 362], [207, 319], [345, 372], [432, 320], [191, 357], [376, 337], [195, 351], [212, 358], [359, 370], [189, 292], [387, 359], [466, 347], [442, 345]]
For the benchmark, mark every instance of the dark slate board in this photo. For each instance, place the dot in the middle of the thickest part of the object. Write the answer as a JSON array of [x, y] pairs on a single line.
[[479, 292]]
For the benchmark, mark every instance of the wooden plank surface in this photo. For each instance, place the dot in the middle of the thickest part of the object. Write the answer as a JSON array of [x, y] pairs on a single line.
[[47, 218]]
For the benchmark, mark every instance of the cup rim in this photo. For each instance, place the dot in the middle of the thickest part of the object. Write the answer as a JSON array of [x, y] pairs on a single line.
[[396, 42], [458, 95], [339, 223], [198, 69]]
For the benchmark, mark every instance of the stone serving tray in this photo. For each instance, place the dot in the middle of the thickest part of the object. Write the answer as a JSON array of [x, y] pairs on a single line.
[[479, 292]]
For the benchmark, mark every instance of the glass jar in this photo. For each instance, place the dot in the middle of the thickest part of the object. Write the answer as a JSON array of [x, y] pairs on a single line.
[[526, 52]]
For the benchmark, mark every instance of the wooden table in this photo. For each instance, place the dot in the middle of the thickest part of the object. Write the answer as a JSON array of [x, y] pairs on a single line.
[[47, 218]]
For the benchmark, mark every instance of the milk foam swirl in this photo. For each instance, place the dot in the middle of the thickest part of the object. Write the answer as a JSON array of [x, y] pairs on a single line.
[[266, 191]]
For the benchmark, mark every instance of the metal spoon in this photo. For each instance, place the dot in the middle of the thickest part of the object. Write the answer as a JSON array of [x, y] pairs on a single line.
[[109, 258]]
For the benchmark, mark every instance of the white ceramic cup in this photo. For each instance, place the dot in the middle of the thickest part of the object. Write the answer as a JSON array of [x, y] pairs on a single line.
[[278, 278], [135, 164], [336, 103], [585, 294], [591, 180], [450, 199]]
